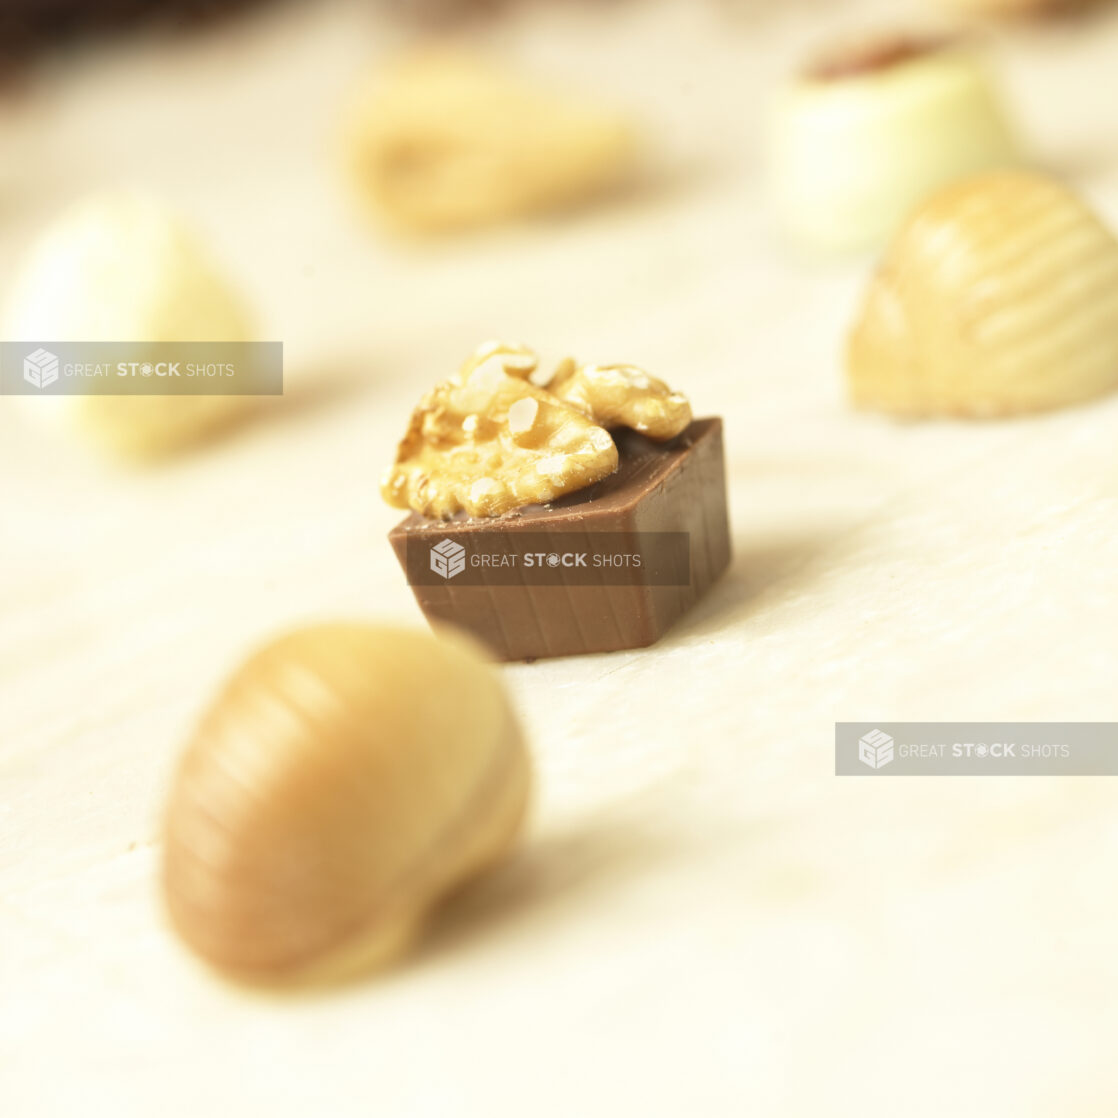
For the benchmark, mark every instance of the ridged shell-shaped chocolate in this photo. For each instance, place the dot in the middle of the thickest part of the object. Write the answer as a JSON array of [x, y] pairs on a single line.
[[999, 297], [345, 778]]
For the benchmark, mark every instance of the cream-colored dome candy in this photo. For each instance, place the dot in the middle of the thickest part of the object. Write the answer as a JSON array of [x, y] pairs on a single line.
[[121, 268], [345, 780], [1000, 296], [445, 141], [868, 132]]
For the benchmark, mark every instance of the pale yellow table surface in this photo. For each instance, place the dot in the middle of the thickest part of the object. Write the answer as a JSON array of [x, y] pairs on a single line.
[[704, 921]]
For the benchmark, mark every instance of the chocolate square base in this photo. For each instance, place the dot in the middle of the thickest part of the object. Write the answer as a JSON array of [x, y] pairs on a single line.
[[652, 538]]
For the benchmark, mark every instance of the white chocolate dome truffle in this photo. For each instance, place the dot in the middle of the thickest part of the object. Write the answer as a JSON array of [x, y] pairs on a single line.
[[865, 136], [120, 267]]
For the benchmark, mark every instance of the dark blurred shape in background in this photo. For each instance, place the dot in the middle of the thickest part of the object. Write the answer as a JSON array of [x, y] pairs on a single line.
[[29, 24]]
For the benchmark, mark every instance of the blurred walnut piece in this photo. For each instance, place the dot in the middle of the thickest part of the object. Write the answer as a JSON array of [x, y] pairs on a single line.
[[122, 268], [445, 141], [344, 781], [871, 129], [1000, 296]]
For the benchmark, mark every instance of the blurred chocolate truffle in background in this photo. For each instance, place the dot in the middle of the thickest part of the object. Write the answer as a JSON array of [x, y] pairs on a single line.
[[866, 132], [1018, 8], [446, 11], [436, 10]]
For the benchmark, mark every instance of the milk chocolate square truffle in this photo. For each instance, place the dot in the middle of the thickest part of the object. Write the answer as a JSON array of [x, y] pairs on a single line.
[[609, 567]]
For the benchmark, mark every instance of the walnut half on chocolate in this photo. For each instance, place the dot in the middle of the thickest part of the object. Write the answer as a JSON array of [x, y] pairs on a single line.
[[488, 440]]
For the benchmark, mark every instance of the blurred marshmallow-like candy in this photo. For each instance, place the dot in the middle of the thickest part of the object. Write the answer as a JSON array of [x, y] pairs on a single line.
[[865, 135], [121, 267]]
